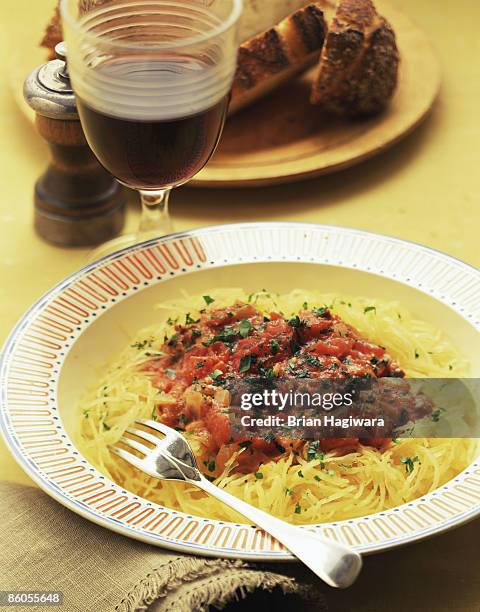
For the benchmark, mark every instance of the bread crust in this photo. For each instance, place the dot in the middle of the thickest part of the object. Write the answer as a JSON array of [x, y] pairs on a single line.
[[53, 34], [292, 44], [358, 68]]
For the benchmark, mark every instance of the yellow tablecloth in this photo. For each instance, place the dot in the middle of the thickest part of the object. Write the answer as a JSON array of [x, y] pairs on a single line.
[[425, 189]]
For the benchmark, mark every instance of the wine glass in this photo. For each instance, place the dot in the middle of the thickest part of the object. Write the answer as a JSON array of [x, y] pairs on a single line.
[[152, 81]]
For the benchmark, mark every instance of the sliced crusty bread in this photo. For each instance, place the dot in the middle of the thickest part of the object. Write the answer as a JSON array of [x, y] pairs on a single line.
[[272, 57], [358, 67], [359, 58]]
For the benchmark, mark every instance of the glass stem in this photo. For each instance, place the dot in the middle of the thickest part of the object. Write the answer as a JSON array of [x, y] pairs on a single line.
[[155, 219]]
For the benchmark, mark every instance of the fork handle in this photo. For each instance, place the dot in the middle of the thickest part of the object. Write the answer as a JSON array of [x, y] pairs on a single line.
[[334, 563]]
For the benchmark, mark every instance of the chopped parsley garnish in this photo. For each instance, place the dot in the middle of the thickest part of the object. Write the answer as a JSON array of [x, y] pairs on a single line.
[[258, 475], [220, 382], [267, 373], [211, 465], [294, 346], [105, 426], [317, 478], [296, 322], [288, 491], [409, 463], [226, 336], [274, 346], [244, 328], [436, 414], [305, 305], [173, 340], [182, 419], [215, 374], [142, 344], [370, 309], [208, 300], [245, 363], [417, 354], [313, 451], [313, 361], [297, 372], [86, 412], [189, 320], [170, 373], [320, 312], [200, 364], [298, 508], [300, 474]]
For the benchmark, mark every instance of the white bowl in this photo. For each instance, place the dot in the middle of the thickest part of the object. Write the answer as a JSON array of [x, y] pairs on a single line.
[[53, 351]]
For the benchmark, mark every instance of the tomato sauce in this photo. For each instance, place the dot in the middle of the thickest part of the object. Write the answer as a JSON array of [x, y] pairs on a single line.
[[202, 355]]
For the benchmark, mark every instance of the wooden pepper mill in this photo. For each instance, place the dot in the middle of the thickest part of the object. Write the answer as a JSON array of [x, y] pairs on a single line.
[[77, 202]]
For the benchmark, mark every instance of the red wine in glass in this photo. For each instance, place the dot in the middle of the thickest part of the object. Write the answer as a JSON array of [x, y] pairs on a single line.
[[135, 143]]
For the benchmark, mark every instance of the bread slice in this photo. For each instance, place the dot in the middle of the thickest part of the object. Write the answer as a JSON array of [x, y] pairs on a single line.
[[53, 34], [358, 67], [274, 56]]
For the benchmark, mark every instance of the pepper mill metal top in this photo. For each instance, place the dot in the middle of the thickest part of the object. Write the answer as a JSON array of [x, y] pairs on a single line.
[[48, 89]]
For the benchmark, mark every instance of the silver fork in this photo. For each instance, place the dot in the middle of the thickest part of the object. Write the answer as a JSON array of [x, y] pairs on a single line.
[[171, 458]]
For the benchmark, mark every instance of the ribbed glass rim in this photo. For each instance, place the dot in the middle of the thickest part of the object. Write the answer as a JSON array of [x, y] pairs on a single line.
[[237, 8]]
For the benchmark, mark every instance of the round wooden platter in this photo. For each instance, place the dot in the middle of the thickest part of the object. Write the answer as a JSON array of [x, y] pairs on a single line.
[[283, 138]]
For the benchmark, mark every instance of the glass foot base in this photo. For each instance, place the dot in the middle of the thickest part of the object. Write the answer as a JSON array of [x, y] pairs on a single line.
[[121, 242], [107, 248]]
